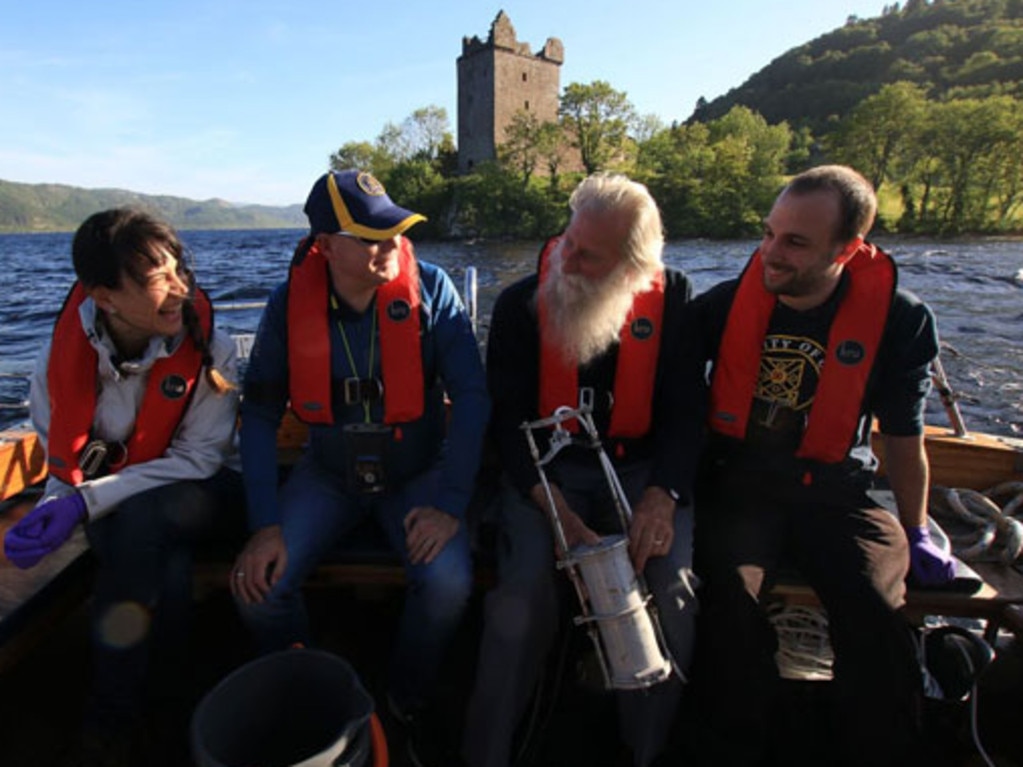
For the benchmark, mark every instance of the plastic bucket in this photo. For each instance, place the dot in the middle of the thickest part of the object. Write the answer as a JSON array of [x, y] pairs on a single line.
[[294, 708]]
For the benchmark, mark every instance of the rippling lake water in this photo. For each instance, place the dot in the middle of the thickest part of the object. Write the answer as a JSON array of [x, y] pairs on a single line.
[[974, 287]]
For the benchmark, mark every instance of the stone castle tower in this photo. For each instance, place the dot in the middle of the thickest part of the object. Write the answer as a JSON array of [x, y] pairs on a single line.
[[496, 78]]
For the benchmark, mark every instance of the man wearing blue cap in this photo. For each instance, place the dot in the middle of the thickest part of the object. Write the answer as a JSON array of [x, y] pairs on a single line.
[[363, 342]]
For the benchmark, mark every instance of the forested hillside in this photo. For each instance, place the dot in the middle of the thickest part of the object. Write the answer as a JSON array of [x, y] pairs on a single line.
[[54, 207], [950, 48]]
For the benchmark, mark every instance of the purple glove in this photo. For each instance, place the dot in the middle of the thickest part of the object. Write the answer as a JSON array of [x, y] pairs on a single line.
[[44, 529], [929, 564]]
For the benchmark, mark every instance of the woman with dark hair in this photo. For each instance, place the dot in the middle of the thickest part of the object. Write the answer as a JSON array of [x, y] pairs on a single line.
[[135, 402]]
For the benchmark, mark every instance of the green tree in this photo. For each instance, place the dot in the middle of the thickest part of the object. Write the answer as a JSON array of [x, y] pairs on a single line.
[[964, 167], [420, 187], [749, 160], [715, 179], [359, 154], [597, 117], [551, 146], [521, 148], [491, 202], [645, 127], [877, 129], [423, 135]]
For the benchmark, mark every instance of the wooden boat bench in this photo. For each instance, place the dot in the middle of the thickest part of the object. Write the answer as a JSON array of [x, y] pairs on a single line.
[[33, 602], [993, 600], [998, 601]]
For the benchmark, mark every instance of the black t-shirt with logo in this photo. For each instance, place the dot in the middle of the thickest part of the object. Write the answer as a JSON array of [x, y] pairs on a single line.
[[794, 350]]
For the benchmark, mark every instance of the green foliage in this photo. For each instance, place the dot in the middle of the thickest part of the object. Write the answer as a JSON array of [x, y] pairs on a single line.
[[361, 155], [492, 202], [961, 48], [416, 184], [717, 179], [597, 117], [878, 129], [521, 150], [425, 135], [958, 164]]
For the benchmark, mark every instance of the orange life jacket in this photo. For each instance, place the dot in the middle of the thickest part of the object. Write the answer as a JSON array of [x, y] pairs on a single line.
[[853, 340], [72, 380], [401, 358], [636, 369]]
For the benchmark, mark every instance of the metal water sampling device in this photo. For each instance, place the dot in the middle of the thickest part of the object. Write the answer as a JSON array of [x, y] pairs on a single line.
[[616, 605]]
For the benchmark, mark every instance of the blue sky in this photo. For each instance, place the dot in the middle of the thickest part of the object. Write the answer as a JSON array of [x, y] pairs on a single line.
[[245, 99]]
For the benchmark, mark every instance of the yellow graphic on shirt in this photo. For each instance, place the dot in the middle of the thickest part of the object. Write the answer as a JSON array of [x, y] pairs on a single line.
[[790, 368], [780, 380]]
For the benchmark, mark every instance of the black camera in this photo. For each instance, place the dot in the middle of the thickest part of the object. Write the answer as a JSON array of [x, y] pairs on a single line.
[[365, 445]]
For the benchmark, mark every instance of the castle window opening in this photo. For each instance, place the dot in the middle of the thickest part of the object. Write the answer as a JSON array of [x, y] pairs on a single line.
[[524, 77], [527, 105]]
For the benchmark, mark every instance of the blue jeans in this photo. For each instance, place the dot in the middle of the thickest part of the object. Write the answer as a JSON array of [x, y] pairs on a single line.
[[317, 513], [143, 595], [522, 617]]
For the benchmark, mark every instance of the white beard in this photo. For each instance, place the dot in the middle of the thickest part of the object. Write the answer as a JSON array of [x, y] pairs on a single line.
[[585, 317]]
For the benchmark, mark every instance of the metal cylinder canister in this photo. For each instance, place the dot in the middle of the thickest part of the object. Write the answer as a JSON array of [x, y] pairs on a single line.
[[618, 607]]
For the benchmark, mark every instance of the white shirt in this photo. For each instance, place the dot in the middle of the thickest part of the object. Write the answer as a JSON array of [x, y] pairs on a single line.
[[205, 439]]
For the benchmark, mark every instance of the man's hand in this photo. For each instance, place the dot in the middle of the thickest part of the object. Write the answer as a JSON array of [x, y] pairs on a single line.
[[44, 529], [929, 565], [575, 530], [427, 531], [260, 565], [653, 528]]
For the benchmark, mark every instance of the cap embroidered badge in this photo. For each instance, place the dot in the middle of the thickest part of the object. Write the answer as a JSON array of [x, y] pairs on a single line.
[[355, 202]]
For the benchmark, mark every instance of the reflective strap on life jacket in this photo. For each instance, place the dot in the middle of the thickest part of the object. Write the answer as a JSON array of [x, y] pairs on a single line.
[[72, 379]]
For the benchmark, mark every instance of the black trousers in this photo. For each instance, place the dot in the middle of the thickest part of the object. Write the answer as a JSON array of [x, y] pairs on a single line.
[[855, 556], [143, 596]]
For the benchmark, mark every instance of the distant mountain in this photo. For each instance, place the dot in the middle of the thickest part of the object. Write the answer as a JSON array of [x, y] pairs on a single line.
[[55, 208], [952, 48]]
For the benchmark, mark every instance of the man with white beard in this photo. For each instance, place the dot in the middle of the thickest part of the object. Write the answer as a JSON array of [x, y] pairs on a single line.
[[604, 322]]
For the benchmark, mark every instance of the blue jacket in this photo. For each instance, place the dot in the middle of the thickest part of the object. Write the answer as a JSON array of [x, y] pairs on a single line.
[[451, 366]]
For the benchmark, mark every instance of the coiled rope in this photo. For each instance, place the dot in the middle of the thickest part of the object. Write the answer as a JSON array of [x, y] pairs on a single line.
[[982, 526], [804, 648]]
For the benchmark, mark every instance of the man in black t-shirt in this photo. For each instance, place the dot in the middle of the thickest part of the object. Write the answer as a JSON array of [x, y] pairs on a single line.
[[809, 345]]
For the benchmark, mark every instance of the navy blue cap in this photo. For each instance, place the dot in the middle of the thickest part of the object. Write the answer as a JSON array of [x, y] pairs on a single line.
[[354, 201]]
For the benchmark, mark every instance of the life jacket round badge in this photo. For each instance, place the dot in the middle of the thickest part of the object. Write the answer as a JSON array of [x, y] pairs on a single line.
[[641, 328], [173, 387], [398, 310], [850, 353]]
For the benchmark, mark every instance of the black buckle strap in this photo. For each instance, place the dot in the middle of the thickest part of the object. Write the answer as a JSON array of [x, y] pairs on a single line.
[[360, 390]]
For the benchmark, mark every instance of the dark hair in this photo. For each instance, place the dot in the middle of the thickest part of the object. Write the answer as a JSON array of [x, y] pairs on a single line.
[[856, 198], [127, 241]]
